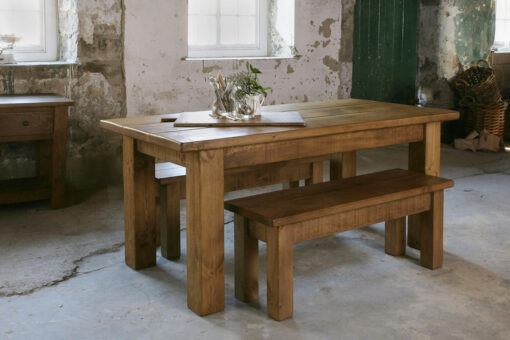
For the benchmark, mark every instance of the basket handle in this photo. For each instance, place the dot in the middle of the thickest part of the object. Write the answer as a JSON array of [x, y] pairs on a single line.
[[461, 85], [487, 65]]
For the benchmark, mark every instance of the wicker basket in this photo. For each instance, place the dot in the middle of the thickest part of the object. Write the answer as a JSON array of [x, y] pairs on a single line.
[[490, 117], [478, 85], [507, 123]]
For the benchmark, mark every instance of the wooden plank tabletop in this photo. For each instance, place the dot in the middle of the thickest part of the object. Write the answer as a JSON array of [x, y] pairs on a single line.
[[204, 119], [12, 101], [322, 118]]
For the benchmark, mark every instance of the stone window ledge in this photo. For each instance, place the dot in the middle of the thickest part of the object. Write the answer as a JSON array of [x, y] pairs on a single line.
[[241, 58], [41, 63]]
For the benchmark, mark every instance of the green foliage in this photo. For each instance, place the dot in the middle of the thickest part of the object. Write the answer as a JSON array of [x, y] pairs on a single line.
[[248, 84]]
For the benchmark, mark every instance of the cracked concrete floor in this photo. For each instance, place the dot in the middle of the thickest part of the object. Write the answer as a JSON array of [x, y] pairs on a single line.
[[62, 273]]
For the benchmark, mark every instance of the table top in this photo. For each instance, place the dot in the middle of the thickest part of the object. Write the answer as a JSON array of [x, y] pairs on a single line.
[[12, 101], [267, 118], [322, 118]]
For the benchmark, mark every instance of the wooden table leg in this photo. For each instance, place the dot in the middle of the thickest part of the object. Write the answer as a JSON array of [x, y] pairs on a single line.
[[343, 165], [317, 170], [424, 157], [205, 231], [58, 158], [140, 213]]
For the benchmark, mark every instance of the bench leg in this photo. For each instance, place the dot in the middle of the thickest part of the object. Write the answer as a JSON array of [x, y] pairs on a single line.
[[246, 261], [171, 221], [432, 234], [280, 274], [395, 243], [317, 170]]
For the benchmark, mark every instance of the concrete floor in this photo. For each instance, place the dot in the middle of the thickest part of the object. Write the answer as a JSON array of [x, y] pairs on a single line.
[[62, 273]]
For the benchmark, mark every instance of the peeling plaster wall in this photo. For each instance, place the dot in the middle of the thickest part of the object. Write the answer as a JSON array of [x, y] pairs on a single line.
[[347, 47], [92, 32], [159, 81], [451, 31]]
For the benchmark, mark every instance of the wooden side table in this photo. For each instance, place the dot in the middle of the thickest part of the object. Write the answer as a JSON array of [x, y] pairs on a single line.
[[41, 118]]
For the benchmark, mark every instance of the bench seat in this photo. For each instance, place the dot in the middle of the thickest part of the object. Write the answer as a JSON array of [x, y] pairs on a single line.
[[284, 218], [172, 181]]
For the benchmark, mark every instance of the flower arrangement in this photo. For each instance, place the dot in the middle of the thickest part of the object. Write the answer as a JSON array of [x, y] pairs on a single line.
[[240, 95], [249, 94], [247, 82]]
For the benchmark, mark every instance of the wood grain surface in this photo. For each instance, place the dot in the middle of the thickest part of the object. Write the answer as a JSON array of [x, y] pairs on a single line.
[[204, 119], [321, 118]]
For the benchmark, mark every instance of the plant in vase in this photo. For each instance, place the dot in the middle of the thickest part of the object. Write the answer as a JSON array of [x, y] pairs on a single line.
[[249, 93], [7, 42]]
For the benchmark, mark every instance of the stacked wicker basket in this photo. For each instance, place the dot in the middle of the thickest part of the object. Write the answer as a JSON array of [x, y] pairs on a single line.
[[480, 96], [507, 124]]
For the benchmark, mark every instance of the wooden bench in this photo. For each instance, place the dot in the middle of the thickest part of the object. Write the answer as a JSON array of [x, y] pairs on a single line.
[[284, 218], [172, 180]]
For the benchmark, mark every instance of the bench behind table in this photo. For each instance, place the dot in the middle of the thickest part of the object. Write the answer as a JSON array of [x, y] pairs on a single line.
[[172, 180], [284, 218]]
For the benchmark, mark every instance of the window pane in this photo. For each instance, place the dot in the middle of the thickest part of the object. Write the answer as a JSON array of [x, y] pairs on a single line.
[[23, 18], [247, 7], [202, 30], [502, 39], [23, 5], [239, 28], [229, 7], [247, 30], [204, 7], [229, 30]]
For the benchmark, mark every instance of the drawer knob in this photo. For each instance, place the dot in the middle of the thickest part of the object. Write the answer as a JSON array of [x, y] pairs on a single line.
[[26, 123]]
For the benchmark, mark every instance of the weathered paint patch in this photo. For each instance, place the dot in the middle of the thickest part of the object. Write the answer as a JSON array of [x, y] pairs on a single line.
[[8, 82], [331, 63], [325, 27], [474, 29]]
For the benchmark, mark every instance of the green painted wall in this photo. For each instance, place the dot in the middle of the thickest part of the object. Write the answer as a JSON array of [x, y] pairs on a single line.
[[474, 29], [385, 50]]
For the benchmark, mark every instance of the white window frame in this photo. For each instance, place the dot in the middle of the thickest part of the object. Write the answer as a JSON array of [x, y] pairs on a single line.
[[259, 49], [49, 36], [501, 46]]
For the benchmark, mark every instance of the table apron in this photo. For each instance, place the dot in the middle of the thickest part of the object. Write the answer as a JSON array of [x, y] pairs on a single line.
[[161, 153], [316, 146]]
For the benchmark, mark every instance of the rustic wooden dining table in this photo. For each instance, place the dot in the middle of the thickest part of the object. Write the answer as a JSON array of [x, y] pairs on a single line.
[[336, 128]]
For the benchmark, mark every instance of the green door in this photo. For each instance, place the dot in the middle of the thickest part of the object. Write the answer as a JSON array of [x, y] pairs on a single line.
[[385, 50]]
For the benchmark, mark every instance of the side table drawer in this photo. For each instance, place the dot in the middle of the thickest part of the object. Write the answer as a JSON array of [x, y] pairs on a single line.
[[26, 124]]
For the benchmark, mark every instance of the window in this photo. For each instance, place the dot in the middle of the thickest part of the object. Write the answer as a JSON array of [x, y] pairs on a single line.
[[35, 22], [502, 40], [227, 28]]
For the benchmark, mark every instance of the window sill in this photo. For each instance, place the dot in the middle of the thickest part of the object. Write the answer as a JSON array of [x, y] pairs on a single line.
[[501, 57], [238, 58], [40, 63]]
